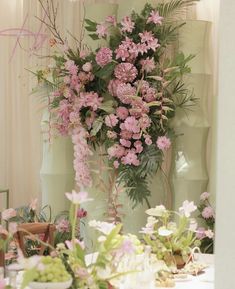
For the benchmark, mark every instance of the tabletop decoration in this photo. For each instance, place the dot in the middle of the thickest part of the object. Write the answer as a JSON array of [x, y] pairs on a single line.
[[122, 96], [171, 234]]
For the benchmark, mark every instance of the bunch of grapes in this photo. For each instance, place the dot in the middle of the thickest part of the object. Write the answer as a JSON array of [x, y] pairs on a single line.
[[53, 271]]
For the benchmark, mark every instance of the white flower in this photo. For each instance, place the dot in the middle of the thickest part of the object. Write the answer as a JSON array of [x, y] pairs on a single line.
[[187, 208], [78, 198], [163, 231], [151, 221], [101, 239], [193, 225], [103, 227], [209, 233], [158, 211]]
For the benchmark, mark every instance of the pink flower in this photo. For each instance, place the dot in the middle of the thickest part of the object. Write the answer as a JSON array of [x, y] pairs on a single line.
[[144, 122], [131, 124], [187, 208], [83, 53], [130, 159], [125, 143], [111, 120], [155, 18], [126, 134], [163, 143], [200, 233], [127, 24], [127, 247], [81, 213], [33, 205], [146, 36], [122, 53], [122, 112], [111, 134], [208, 213], [104, 56], [111, 19], [90, 99], [209, 234], [8, 214], [63, 226], [138, 146], [101, 30], [153, 44], [204, 196], [78, 198], [136, 136], [116, 151], [142, 48], [87, 67], [125, 92], [116, 164], [148, 140], [71, 67], [150, 94], [113, 85], [126, 72], [148, 64]]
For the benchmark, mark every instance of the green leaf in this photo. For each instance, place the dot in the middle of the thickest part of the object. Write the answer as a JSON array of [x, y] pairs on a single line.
[[29, 276], [108, 106], [80, 254], [94, 36], [108, 243], [106, 71], [89, 22], [97, 125]]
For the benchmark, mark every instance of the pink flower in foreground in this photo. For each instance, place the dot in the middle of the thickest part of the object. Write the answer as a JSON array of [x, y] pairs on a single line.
[[200, 233], [163, 143], [63, 226], [155, 18], [8, 214], [127, 24], [148, 64], [130, 159], [208, 212], [122, 112], [101, 30], [204, 196], [78, 198], [187, 208], [125, 72], [126, 134], [111, 120], [103, 56]]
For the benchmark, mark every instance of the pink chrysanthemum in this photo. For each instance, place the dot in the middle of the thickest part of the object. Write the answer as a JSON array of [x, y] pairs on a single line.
[[104, 56], [126, 72], [122, 112], [125, 92], [144, 122], [111, 120], [163, 143], [208, 212], [131, 124], [125, 143], [125, 134], [148, 64]]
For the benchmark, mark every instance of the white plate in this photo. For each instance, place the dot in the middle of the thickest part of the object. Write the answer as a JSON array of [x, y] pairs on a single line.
[[50, 285]]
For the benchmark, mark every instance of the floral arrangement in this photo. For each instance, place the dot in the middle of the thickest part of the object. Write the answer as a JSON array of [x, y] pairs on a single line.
[[120, 260], [31, 214], [207, 214], [122, 96], [171, 235]]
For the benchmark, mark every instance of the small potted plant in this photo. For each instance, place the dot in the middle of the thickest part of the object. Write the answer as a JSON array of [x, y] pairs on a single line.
[[171, 234]]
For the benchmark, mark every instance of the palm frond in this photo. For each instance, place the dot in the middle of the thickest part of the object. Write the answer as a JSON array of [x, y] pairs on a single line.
[[173, 8]]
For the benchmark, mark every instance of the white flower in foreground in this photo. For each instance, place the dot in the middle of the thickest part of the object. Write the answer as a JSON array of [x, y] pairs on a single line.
[[78, 198], [103, 227], [158, 211], [187, 208], [163, 231]]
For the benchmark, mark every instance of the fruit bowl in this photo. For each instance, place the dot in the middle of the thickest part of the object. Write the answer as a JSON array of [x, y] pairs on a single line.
[[51, 285]]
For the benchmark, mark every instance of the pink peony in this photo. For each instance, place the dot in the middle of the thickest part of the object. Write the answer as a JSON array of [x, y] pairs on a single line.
[[131, 124], [111, 120], [104, 56], [163, 143], [127, 24], [130, 159], [126, 72], [63, 226], [155, 18], [148, 64], [116, 151], [125, 143], [208, 212], [87, 67], [125, 92], [122, 112], [204, 196], [101, 30]]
